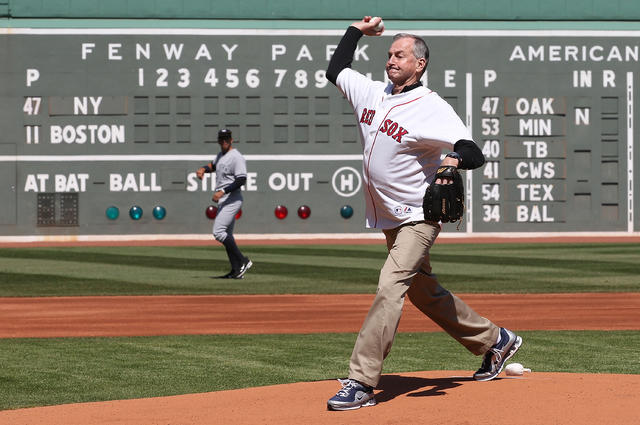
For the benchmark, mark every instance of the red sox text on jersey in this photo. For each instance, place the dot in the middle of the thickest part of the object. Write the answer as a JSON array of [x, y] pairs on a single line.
[[390, 127]]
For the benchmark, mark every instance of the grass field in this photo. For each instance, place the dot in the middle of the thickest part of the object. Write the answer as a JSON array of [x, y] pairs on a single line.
[[305, 269], [38, 372], [53, 371]]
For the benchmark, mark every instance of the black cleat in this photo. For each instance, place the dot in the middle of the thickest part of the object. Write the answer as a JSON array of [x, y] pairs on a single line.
[[246, 265]]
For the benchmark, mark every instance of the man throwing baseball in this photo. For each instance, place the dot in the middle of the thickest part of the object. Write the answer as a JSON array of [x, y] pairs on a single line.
[[231, 173], [403, 127]]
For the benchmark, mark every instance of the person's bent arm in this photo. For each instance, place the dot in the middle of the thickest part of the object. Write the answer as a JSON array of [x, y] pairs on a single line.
[[209, 168], [237, 183], [343, 55], [467, 156], [471, 156]]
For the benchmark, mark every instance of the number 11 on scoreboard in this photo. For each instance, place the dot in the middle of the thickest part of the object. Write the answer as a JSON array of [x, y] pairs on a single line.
[[33, 134]]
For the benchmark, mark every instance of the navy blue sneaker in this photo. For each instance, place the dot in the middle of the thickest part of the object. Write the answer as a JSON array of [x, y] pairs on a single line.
[[353, 395], [495, 358]]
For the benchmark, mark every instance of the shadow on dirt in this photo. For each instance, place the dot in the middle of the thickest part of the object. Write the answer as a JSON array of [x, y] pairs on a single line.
[[392, 386]]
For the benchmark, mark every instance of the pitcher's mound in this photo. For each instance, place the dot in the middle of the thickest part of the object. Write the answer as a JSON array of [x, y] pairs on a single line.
[[442, 397]]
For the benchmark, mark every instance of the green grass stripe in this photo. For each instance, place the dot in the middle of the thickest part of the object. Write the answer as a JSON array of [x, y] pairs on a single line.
[[49, 371], [314, 269]]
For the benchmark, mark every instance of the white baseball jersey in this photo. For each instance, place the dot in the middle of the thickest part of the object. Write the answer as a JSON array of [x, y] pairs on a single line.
[[402, 138]]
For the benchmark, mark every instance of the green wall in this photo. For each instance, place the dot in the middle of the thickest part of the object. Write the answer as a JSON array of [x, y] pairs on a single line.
[[493, 10], [470, 39]]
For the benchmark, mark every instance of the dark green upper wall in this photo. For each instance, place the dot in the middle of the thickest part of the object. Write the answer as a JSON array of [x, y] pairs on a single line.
[[494, 10]]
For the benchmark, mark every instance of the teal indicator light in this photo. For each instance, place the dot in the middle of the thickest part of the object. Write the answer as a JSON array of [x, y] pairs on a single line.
[[159, 212], [346, 211], [112, 212], [135, 212]]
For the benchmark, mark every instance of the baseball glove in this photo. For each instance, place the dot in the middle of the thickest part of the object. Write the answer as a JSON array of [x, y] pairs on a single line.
[[444, 202]]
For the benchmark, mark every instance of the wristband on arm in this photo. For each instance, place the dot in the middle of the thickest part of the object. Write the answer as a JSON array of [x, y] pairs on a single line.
[[457, 156]]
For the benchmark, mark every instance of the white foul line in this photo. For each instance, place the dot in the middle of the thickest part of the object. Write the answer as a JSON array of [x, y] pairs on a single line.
[[469, 174], [501, 237], [630, 151], [103, 158]]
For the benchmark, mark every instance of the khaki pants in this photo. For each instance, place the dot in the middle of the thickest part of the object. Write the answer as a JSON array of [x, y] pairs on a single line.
[[407, 271]]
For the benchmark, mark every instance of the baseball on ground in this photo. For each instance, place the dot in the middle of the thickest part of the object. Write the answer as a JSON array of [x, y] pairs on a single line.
[[515, 369]]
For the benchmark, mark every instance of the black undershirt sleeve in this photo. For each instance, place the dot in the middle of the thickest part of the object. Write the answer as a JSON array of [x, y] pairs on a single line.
[[343, 55], [470, 154], [237, 183]]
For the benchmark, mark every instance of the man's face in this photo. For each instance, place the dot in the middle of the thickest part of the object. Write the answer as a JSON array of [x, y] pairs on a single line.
[[225, 145], [402, 65]]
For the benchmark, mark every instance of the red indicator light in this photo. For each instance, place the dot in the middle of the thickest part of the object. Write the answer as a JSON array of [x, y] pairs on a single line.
[[211, 212], [304, 212], [281, 212]]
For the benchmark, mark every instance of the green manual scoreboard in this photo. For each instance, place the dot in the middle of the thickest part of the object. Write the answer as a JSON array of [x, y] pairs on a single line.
[[103, 129]]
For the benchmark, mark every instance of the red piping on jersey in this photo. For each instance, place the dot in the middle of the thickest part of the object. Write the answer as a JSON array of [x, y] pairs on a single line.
[[375, 213]]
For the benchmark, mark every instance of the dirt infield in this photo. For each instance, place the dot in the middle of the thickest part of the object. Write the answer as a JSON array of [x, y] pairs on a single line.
[[439, 397], [442, 397], [254, 314]]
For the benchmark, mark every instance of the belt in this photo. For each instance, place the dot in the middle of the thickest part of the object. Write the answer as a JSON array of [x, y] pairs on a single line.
[[413, 223]]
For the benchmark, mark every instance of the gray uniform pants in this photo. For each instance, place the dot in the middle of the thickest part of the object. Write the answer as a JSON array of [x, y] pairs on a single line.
[[226, 216], [407, 271]]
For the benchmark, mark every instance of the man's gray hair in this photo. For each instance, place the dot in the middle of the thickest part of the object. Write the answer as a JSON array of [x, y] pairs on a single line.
[[420, 49]]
